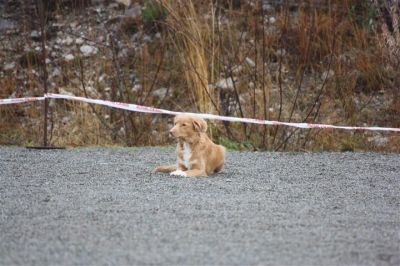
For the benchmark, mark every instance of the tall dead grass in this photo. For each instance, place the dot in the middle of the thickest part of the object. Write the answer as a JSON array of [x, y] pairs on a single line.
[[190, 36]]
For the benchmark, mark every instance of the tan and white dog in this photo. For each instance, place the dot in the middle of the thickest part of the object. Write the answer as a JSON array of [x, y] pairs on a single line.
[[197, 155]]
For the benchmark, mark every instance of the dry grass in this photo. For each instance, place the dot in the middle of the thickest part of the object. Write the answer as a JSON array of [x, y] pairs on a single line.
[[190, 36]]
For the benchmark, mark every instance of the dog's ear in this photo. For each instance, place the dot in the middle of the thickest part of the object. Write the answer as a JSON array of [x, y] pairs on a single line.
[[200, 125]]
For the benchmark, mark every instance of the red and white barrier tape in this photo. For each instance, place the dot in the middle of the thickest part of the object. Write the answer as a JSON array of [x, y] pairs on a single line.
[[20, 100], [152, 110]]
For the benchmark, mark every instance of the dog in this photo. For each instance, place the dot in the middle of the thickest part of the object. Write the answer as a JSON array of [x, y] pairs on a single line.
[[196, 154]]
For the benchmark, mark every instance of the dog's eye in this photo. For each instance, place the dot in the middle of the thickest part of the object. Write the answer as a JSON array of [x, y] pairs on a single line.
[[184, 125]]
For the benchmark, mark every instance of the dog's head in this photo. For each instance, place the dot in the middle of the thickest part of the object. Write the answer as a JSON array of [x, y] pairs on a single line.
[[187, 127]]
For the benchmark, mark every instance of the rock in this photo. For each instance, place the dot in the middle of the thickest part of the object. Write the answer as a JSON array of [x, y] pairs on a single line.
[[328, 74], [88, 50], [225, 84], [126, 3], [9, 66], [66, 92], [237, 69], [268, 7], [280, 52], [65, 120], [146, 38], [379, 141], [79, 41], [56, 72], [160, 93], [68, 41], [272, 20], [102, 77], [35, 36], [250, 62], [69, 57], [135, 11], [136, 88], [92, 91]]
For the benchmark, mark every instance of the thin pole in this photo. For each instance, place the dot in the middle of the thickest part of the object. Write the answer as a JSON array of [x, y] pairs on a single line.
[[45, 74]]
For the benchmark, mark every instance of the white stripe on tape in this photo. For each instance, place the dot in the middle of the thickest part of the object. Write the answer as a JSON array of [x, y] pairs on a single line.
[[20, 100], [152, 110]]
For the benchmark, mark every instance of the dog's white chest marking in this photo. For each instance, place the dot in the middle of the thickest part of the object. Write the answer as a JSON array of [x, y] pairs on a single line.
[[187, 154]]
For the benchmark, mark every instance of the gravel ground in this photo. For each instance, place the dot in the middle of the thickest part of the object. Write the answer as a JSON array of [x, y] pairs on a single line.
[[97, 206]]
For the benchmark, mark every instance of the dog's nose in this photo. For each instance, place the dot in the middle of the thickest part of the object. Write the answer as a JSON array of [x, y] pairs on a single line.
[[171, 133]]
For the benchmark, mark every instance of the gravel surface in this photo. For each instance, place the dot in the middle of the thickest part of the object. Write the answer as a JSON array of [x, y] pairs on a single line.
[[97, 206]]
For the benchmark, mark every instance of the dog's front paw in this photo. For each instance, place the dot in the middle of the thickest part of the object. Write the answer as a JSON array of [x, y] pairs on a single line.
[[178, 173]]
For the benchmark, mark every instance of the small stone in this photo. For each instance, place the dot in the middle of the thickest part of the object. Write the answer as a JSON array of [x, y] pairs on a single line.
[[126, 3], [66, 92], [100, 38], [160, 93], [9, 66], [280, 52], [102, 77], [35, 35], [225, 84], [137, 88], [69, 57], [68, 41], [56, 72], [91, 91], [237, 69], [79, 41], [135, 11], [250, 62], [272, 20], [379, 141], [88, 50], [147, 38], [268, 8], [65, 120], [327, 74]]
